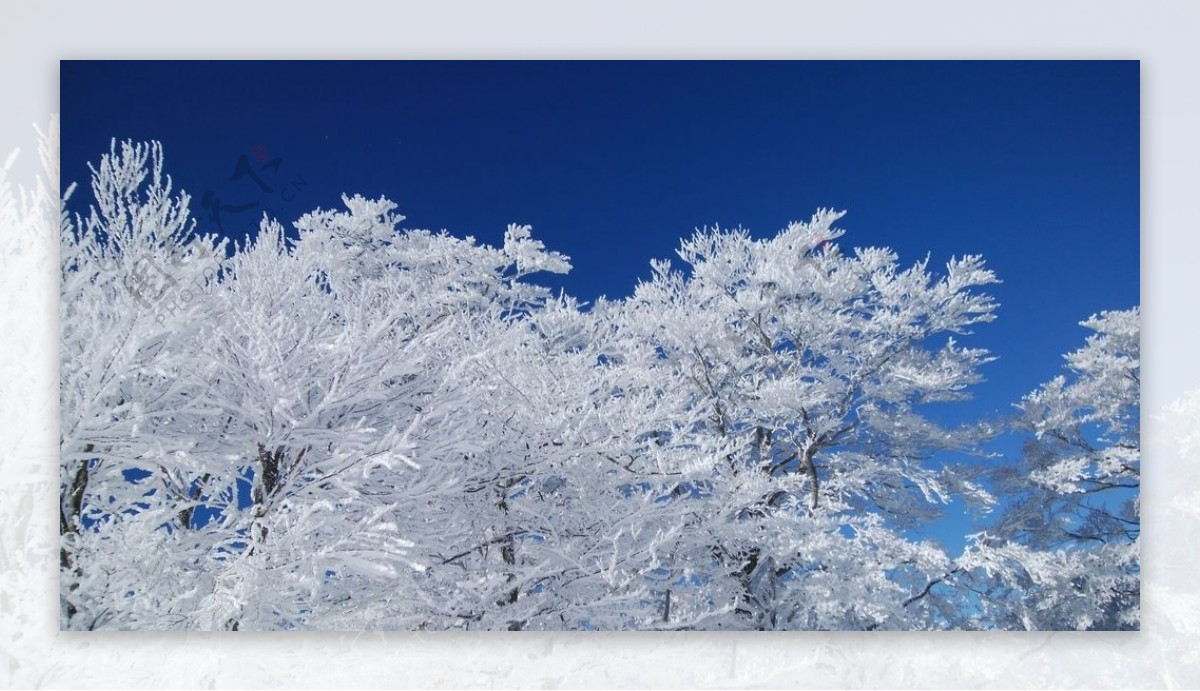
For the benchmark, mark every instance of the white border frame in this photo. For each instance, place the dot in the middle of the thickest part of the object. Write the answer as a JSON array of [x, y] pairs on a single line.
[[1162, 35]]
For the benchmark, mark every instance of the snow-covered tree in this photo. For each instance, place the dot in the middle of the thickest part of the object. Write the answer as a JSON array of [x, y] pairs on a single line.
[[1064, 552], [800, 376], [263, 427], [132, 289]]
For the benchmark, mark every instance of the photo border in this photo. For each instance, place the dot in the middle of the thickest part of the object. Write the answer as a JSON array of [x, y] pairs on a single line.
[[34, 652]]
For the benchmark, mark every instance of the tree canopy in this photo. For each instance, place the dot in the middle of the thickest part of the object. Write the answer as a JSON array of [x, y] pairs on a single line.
[[352, 425]]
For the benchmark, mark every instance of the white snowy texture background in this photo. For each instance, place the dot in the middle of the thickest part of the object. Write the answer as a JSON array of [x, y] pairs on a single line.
[[1166, 653]]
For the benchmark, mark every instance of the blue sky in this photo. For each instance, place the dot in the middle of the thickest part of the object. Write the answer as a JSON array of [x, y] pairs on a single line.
[[1035, 165]]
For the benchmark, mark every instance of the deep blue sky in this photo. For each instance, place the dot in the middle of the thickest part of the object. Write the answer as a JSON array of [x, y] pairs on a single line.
[[1035, 165]]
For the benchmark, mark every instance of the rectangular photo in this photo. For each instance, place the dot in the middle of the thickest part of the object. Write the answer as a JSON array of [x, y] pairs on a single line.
[[592, 345]]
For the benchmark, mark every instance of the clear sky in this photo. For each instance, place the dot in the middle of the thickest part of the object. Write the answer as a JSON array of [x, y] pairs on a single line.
[[1035, 165]]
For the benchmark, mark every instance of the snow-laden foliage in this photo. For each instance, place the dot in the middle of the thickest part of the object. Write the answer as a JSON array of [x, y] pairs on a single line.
[[799, 373], [347, 424], [1064, 552]]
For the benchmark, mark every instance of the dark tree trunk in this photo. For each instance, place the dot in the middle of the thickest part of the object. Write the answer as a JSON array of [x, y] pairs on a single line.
[[69, 517]]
